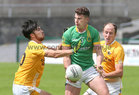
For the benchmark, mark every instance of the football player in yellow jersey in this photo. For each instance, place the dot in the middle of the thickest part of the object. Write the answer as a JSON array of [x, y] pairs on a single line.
[[112, 63], [28, 75]]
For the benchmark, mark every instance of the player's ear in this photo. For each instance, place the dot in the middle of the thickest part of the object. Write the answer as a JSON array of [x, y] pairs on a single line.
[[103, 33], [32, 35], [87, 19]]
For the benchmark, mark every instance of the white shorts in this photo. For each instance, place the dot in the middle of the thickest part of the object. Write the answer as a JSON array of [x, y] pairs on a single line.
[[24, 90], [87, 76], [114, 88]]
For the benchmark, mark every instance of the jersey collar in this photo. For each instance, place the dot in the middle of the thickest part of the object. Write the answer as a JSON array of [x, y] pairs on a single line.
[[33, 41], [83, 31], [111, 43]]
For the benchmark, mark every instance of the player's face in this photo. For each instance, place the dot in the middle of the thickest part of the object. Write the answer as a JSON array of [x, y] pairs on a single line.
[[39, 34], [109, 33], [81, 21]]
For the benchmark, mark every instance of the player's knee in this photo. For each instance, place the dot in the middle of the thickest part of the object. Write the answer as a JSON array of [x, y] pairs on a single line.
[[106, 92]]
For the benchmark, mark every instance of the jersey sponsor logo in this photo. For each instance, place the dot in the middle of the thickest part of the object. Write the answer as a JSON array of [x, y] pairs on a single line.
[[77, 40], [85, 48]]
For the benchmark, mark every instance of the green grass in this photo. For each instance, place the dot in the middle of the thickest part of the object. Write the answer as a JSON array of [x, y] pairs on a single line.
[[53, 79]]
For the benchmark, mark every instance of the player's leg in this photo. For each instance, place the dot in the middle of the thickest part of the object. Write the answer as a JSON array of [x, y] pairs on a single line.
[[95, 82], [44, 93], [98, 85], [71, 90], [91, 92], [114, 87]]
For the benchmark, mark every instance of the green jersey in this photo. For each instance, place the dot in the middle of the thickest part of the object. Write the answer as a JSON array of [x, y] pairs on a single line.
[[84, 43]]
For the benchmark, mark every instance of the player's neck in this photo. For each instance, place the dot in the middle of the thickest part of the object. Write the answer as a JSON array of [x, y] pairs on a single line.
[[110, 43], [82, 29], [39, 42]]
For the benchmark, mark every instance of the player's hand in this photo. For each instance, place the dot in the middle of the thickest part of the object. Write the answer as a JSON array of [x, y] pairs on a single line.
[[59, 47], [70, 80], [100, 69]]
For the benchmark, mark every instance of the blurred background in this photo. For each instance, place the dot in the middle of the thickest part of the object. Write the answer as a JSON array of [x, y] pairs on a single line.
[[55, 15]]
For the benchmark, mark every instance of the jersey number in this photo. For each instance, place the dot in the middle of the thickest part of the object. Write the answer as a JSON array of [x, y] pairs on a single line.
[[23, 59]]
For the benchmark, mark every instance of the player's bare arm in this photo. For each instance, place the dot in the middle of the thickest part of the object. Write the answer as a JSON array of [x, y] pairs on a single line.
[[99, 56], [57, 53], [58, 47], [117, 73], [66, 59]]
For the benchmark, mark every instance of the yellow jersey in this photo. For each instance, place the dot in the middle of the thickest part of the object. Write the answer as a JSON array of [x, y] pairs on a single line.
[[31, 66], [113, 54]]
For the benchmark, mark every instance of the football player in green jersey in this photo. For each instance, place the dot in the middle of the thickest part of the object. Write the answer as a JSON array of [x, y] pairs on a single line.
[[83, 38]]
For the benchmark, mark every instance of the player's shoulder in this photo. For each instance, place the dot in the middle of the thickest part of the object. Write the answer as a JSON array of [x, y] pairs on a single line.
[[72, 27], [103, 41], [35, 48], [92, 28], [118, 46], [70, 30], [34, 43]]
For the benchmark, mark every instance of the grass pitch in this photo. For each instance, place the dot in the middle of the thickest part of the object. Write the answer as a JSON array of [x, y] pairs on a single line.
[[53, 79]]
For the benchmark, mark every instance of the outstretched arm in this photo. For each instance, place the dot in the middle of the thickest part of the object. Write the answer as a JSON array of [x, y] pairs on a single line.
[[58, 47], [58, 53]]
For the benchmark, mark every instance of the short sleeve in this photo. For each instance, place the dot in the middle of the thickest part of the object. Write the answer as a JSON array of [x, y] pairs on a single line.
[[66, 41], [96, 39], [119, 55]]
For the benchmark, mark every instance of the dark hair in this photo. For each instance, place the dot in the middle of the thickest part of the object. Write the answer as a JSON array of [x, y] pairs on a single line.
[[28, 27], [114, 25], [66, 28], [82, 11]]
